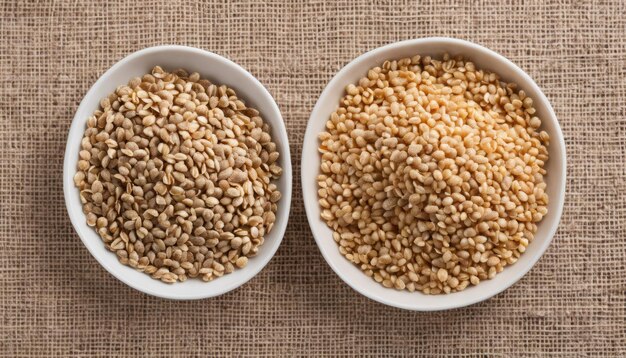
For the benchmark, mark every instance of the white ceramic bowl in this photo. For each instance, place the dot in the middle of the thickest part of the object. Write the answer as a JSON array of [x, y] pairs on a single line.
[[218, 70], [328, 102]]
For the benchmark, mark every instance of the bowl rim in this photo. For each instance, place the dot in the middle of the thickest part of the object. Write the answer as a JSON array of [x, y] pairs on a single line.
[[310, 199], [69, 169]]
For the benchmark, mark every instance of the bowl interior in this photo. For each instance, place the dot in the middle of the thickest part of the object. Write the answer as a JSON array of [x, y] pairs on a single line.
[[220, 71], [328, 102]]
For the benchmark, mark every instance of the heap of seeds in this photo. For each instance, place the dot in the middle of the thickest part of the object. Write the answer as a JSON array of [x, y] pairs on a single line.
[[432, 174], [175, 174]]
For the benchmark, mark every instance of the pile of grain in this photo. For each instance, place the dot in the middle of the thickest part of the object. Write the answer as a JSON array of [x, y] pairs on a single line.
[[175, 174], [432, 174]]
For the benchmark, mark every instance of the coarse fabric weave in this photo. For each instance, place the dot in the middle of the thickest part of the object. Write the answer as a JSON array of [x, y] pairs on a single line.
[[55, 300]]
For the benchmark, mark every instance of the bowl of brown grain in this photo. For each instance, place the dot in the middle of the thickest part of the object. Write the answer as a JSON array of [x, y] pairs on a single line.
[[177, 173]]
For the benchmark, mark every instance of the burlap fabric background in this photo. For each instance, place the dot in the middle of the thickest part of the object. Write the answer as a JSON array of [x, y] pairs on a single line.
[[55, 300]]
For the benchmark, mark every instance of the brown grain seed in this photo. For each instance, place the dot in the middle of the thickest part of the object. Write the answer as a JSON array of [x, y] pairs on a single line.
[[242, 262]]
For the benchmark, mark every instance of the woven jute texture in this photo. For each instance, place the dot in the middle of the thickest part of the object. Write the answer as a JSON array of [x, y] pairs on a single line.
[[55, 300]]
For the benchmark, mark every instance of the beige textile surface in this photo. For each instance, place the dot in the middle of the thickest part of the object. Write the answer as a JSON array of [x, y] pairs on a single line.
[[56, 300]]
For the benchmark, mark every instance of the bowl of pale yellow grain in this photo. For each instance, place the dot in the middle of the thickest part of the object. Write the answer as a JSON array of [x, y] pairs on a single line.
[[433, 174]]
